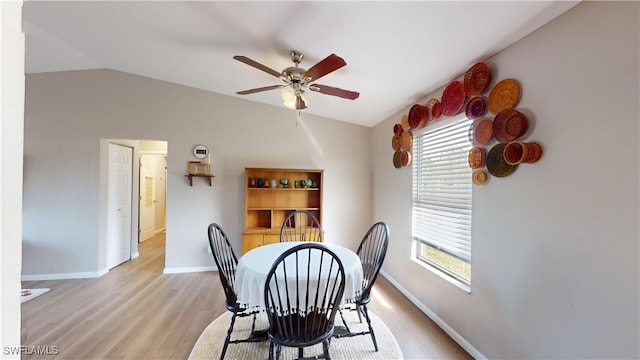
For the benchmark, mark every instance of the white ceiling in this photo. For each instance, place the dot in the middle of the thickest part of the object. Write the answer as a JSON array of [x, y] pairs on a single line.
[[396, 52]]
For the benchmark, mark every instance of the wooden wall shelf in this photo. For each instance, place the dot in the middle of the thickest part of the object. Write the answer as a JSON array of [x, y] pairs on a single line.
[[191, 176]]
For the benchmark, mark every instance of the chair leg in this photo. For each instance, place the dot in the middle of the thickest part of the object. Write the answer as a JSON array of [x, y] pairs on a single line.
[[373, 336], [346, 326], [300, 353], [325, 349], [228, 338], [359, 310], [278, 350]]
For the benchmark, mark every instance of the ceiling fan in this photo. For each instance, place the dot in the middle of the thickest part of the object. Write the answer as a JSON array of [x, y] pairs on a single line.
[[298, 80]]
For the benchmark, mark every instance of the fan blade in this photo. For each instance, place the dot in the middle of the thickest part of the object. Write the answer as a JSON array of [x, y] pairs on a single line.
[[252, 91], [300, 103], [329, 64], [328, 90], [257, 65]]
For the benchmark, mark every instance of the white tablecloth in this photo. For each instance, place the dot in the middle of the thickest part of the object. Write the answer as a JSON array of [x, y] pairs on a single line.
[[253, 267]]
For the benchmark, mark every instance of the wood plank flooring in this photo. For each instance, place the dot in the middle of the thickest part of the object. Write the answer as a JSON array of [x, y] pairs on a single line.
[[136, 312]]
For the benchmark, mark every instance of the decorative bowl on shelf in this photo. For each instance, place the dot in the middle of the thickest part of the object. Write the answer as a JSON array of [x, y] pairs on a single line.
[[284, 182]]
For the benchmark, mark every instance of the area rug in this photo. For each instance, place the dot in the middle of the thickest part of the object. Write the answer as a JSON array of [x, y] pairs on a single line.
[[209, 345], [29, 294]]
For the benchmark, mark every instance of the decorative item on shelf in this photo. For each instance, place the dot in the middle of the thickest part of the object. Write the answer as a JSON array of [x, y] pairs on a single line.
[[479, 177], [252, 182], [309, 183], [477, 157], [453, 98], [496, 164], [274, 184], [198, 168], [296, 184], [480, 131], [476, 79], [284, 183], [504, 95], [260, 182], [509, 125]]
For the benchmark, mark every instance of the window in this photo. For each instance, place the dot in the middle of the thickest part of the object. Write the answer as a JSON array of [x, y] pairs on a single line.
[[441, 214]]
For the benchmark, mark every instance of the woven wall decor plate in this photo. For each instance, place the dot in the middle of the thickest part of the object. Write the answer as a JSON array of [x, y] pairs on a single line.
[[496, 164], [481, 131], [435, 109], [405, 158], [476, 79], [477, 157], [395, 142], [396, 159], [418, 116], [476, 107], [405, 122], [406, 140], [504, 95], [453, 98], [479, 176], [397, 129], [509, 125]]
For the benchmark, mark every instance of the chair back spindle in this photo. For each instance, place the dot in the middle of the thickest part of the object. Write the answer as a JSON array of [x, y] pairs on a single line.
[[301, 225]]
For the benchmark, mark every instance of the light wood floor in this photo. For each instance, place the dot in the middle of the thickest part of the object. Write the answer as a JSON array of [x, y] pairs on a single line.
[[136, 312]]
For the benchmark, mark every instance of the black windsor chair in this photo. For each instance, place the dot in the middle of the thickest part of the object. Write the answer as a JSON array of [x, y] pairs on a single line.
[[371, 251], [226, 262], [301, 225], [302, 297]]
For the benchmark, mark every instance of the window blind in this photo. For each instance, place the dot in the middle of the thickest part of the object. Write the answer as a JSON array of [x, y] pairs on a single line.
[[442, 189]]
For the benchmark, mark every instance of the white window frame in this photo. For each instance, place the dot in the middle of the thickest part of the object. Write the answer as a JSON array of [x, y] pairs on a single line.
[[453, 200]]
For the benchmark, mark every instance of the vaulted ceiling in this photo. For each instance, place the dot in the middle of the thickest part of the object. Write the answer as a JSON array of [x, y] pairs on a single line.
[[396, 52]]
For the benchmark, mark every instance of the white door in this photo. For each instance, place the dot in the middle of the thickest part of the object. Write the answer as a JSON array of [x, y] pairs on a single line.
[[147, 196], [119, 205]]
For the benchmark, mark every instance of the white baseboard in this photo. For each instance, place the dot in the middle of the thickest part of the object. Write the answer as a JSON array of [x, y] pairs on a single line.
[[441, 323], [189, 269], [64, 276]]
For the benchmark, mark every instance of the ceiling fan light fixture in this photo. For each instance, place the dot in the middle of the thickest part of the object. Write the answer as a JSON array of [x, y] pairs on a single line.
[[295, 99], [288, 95]]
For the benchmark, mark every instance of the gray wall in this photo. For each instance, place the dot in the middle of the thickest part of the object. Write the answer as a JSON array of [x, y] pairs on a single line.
[[555, 245], [69, 114]]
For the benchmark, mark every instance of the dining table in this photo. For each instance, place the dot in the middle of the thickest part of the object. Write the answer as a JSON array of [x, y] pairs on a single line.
[[253, 268]]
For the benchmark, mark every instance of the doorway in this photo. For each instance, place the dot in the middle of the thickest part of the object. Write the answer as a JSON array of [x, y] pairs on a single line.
[[156, 149]]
